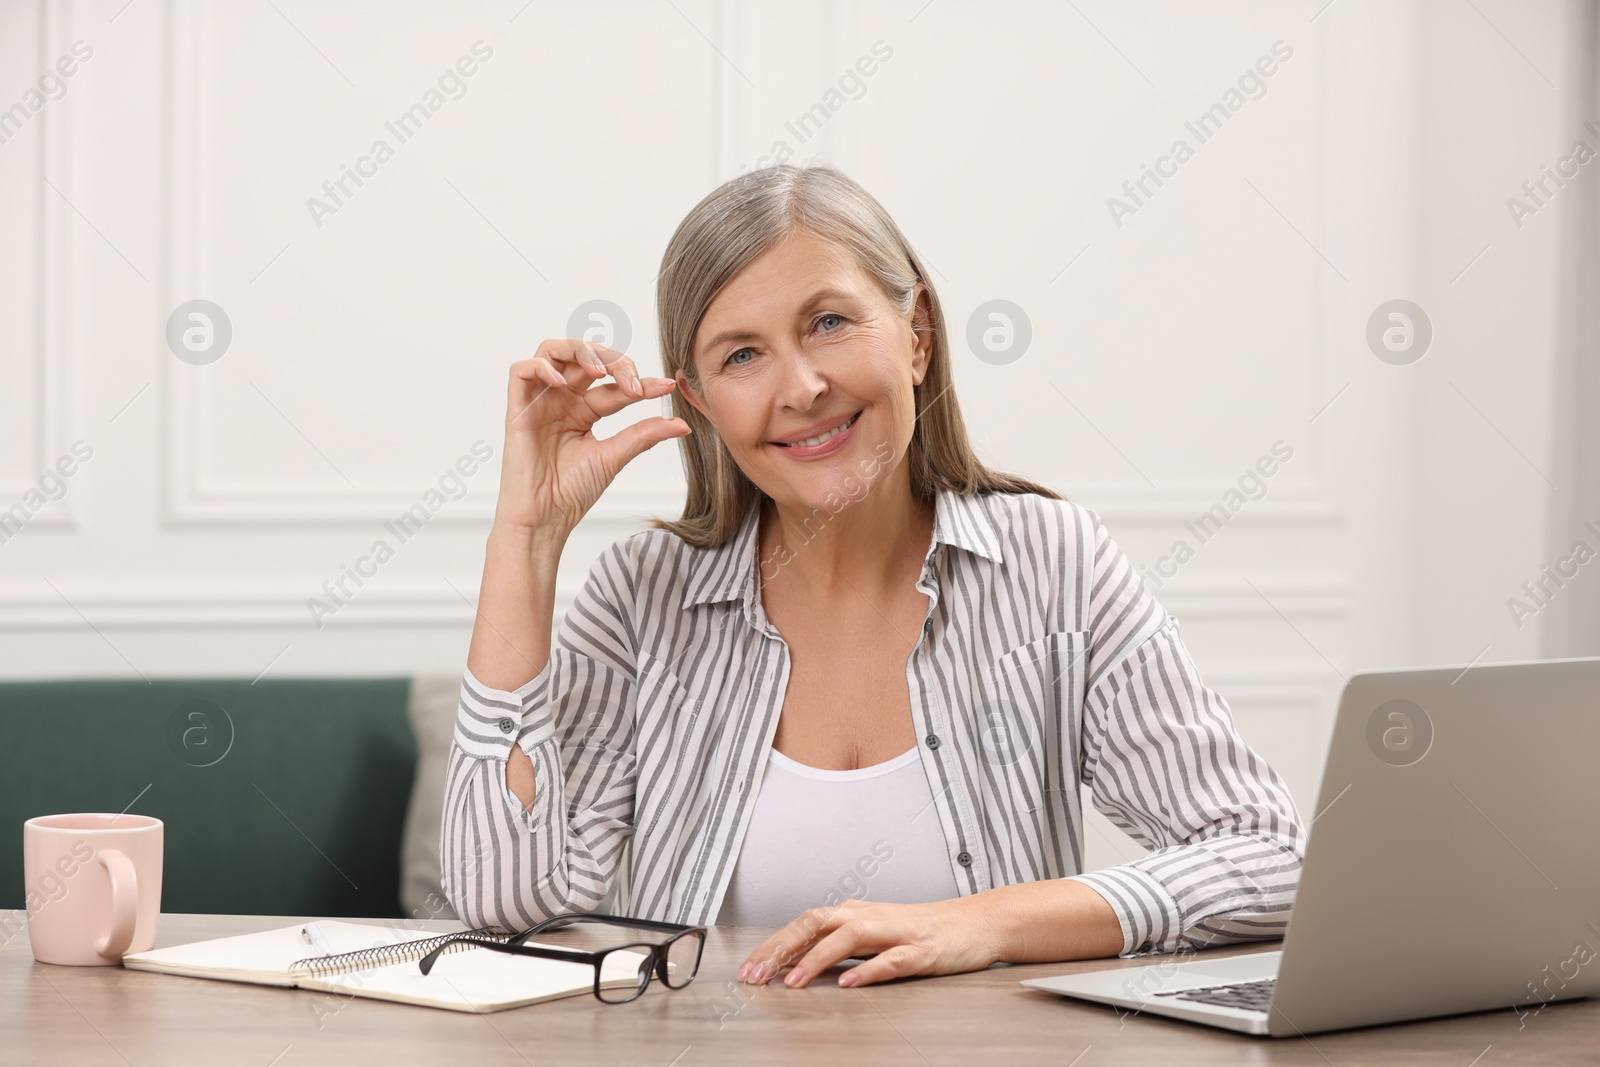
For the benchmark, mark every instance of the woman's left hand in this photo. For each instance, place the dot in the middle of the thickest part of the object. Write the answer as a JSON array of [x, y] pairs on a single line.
[[944, 937]]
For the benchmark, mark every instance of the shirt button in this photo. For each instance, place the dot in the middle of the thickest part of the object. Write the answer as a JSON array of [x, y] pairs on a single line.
[[965, 859], [932, 740], [506, 726]]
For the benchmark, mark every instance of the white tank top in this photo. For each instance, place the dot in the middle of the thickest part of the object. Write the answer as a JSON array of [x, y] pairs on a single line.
[[817, 837]]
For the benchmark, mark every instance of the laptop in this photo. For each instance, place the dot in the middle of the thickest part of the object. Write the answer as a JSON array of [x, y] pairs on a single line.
[[1453, 865]]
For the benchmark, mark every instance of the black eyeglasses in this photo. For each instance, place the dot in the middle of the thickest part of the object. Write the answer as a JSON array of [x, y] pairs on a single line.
[[675, 961]]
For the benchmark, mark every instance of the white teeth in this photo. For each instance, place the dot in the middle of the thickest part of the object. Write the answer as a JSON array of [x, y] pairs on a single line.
[[811, 442]]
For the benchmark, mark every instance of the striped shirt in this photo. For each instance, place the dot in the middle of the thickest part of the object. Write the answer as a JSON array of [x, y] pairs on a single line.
[[1044, 664]]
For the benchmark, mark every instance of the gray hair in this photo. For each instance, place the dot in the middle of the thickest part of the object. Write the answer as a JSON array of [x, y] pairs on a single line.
[[735, 223]]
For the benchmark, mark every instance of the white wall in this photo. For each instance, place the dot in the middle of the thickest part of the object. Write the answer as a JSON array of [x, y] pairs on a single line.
[[1168, 353]]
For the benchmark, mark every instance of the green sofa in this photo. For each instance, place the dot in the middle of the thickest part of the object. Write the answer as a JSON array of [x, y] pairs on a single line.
[[282, 797]]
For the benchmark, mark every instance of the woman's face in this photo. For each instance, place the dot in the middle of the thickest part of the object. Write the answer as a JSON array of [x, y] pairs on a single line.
[[801, 342]]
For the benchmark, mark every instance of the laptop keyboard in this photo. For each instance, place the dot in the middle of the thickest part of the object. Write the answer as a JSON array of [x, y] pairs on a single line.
[[1246, 996]]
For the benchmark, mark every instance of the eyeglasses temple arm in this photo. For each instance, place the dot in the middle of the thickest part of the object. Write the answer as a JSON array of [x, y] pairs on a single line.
[[613, 920], [571, 955]]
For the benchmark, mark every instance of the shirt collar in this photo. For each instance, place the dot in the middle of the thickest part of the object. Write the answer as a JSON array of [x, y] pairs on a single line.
[[728, 572]]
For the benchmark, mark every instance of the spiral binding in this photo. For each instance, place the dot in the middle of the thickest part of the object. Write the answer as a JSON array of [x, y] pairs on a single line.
[[384, 955]]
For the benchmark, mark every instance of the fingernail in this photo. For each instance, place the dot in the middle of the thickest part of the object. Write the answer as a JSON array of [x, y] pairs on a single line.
[[638, 386], [794, 977], [847, 978], [744, 973]]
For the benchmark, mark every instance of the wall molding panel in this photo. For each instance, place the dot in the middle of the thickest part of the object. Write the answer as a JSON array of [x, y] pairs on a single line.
[[46, 259]]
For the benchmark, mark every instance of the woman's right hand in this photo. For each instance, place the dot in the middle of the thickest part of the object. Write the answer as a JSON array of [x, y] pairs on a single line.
[[553, 468]]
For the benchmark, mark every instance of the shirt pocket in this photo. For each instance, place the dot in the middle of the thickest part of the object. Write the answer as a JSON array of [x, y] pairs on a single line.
[[668, 740], [1029, 716]]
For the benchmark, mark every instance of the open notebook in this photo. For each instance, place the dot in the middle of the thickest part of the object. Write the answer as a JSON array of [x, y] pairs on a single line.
[[383, 965]]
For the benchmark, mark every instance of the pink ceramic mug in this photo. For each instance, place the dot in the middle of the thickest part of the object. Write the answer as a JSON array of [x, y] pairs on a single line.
[[93, 886]]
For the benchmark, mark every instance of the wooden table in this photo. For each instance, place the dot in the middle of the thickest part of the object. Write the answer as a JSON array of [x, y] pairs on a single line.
[[107, 1015]]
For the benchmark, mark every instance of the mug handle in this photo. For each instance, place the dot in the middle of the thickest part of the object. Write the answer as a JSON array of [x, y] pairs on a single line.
[[124, 902]]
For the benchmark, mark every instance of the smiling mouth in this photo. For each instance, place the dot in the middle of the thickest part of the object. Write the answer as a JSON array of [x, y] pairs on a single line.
[[812, 442]]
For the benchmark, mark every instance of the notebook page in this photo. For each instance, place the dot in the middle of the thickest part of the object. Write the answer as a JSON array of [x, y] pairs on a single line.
[[481, 980], [263, 958]]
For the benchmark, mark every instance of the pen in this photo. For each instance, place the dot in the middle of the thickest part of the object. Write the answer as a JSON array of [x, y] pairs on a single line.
[[313, 935]]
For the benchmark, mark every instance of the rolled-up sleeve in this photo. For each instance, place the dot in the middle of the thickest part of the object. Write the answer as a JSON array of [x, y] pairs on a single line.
[[505, 867], [1167, 766]]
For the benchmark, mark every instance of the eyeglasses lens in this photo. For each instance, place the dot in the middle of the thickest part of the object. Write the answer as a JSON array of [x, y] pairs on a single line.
[[683, 959], [620, 993]]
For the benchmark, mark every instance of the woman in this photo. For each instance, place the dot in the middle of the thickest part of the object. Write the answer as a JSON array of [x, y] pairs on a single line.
[[861, 664]]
